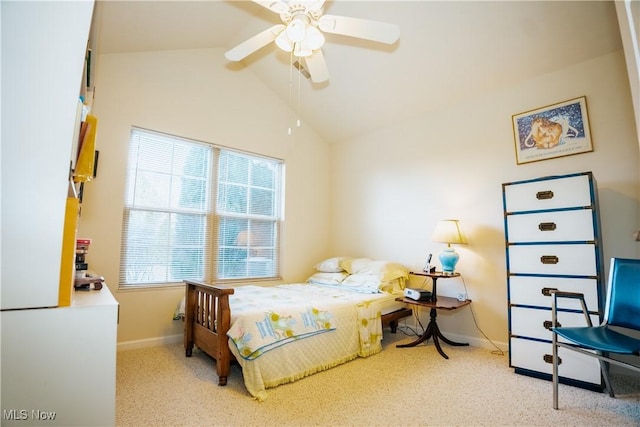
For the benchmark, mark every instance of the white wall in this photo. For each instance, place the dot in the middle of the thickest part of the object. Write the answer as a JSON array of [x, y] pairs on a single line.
[[379, 195], [191, 94], [391, 187]]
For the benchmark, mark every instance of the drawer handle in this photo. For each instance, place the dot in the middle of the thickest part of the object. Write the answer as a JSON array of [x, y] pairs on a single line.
[[547, 226], [547, 291], [549, 259], [544, 195], [548, 324], [548, 358]]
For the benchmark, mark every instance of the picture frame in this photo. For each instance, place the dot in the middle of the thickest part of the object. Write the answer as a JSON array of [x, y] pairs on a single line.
[[557, 130]]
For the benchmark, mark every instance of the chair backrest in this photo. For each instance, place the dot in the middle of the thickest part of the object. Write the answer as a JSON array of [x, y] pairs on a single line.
[[623, 294]]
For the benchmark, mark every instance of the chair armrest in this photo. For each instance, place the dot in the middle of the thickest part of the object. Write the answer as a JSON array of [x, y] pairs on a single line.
[[555, 293], [566, 294]]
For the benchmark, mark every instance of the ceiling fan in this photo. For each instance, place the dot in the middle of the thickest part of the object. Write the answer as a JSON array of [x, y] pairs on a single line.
[[300, 33]]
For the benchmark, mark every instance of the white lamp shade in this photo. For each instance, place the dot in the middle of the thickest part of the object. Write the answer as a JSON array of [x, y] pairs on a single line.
[[448, 231]]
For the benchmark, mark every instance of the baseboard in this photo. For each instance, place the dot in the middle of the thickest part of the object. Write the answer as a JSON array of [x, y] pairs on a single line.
[[478, 342], [482, 342], [150, 342]]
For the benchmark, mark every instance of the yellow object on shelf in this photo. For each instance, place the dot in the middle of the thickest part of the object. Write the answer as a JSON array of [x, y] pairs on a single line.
[[68, 261], [86, 150]]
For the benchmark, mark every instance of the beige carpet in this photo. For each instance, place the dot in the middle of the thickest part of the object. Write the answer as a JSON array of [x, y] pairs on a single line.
[[159, 386]]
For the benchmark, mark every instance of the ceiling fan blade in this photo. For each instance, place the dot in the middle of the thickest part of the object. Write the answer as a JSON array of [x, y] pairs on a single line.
[[317, 67], [277, 6], [315, 5], [256, 42], [360, 28]]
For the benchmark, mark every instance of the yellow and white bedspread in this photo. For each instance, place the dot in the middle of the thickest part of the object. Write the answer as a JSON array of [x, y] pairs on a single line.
[[342, 325], [264, 318]]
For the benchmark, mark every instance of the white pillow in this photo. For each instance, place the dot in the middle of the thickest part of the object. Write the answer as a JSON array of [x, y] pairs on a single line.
[[354, 265], [385, 269], [331, 265], [389, 270], [327, 278]]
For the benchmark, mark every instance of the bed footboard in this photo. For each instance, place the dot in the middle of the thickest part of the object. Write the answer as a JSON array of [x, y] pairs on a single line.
[[207, 321]]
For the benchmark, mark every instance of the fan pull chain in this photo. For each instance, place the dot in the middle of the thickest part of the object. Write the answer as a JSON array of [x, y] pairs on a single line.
[[299, 96], [290, 84]]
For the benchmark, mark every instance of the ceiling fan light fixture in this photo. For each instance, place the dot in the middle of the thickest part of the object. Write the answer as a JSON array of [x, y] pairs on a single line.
[[314, 39], [301, 50], [300, 37], [301, 33], [283, 42], [296, 30]]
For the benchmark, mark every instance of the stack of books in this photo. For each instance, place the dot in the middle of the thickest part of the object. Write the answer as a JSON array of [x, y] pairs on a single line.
[[85, 281], [82, 249]]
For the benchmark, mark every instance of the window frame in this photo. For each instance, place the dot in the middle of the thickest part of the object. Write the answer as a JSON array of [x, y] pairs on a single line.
[[212, 216]]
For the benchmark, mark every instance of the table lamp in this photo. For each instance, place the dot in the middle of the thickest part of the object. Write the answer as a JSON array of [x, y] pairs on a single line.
[[448, 231]]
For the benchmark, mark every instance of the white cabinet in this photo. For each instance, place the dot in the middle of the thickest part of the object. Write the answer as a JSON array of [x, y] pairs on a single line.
[[59, 364], [43, 50], [552, 242]]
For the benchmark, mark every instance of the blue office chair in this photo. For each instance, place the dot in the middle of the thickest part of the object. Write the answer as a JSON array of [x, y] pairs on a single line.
[[622, 313]]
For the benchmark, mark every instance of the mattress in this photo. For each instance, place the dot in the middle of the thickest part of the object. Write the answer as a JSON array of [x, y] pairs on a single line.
[[301, 358]]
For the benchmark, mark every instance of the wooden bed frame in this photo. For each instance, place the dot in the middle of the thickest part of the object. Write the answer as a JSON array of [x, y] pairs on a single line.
[[208, 318]]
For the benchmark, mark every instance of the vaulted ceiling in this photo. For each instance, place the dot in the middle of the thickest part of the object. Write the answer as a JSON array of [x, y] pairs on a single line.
[[448, 50]]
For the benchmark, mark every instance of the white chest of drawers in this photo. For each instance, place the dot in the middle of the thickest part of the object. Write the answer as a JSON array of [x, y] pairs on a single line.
[[552, 242]]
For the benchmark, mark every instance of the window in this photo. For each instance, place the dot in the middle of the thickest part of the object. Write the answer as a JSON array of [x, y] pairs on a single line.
[[172, 228]]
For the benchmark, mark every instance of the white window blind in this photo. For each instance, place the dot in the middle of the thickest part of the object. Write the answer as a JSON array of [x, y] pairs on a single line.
[[199, 212]]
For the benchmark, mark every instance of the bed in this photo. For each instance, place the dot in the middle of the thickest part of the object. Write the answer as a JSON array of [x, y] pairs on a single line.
[[279, 334]]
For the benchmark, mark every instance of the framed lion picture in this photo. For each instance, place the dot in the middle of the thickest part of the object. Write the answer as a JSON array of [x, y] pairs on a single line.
[[556, 130]]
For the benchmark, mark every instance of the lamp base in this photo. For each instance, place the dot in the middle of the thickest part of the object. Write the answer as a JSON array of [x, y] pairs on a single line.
[[448, 258]]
